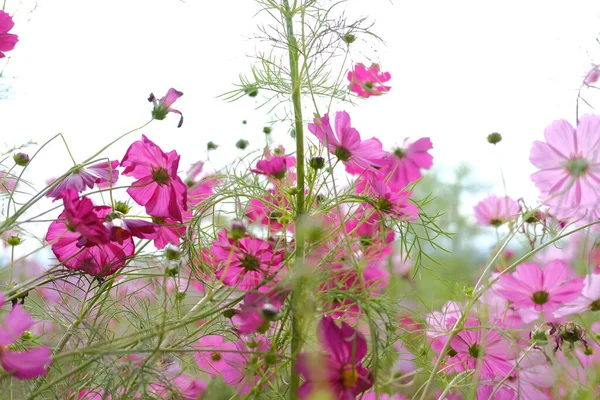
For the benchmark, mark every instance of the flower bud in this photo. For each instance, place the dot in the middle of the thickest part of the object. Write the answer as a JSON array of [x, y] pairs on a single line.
[[317, 162], [494, 138], [229, 313], [26, 336], [211, 146], [242, 144], [122, 207], [271, 359], [172, 271], [349, 38], [172, 254], [238, 229], [21, 159], [269, 311], [251, 91], [267, 130], [244, 122], [13, 240]]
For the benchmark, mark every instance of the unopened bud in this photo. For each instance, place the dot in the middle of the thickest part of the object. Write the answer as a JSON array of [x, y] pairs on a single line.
[[494, 138], [13, 240], [267, 130], [242, 144], [21, 159], [251, 91], [317, 162], [238, 229], [349, 38], [211, 146], [172, 254]]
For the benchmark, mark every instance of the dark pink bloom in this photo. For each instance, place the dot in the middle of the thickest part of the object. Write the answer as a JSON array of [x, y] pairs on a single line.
[[484, 344], [405, 163], [343, 372], [389, 202], [81, 217], [367, 224], [163, 106], [27, 364], [495, 211], [169, 232], [569, 163], [102, 174], [367, 82], [346, 144], [77, 253], [123, 228], [158, 187], [268, 212], [246, 263], [208, 357], [257, 311], [7, 40], [530, 286], [274, 165], [93, 394], [245, 368]]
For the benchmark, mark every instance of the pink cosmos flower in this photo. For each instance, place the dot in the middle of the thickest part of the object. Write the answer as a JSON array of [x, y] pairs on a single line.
[[169, 232], [257, 311], [592, 76], [487, 345], [158, 187], [367, 82], [7, 40], [367, 225], [102, 174], [27, 364], [383, 396], [246, 263], [274, 165], [181, 387], [346, 144], [268, 212], [344, 374], [405, 163], [123, 228], [245, 368], [163, 106], [390, 202], [77, 253], [495, 211], [93, 394], [200, 184], [8, 182], [208, 357], [569, 174], [589, 299], [530, 286], [81, 217]]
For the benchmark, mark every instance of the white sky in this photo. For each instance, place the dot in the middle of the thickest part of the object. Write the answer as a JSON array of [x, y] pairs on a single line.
[[460, 70]]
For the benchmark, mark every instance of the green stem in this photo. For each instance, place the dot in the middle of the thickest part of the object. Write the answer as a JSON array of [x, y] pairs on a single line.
[[299, 234]]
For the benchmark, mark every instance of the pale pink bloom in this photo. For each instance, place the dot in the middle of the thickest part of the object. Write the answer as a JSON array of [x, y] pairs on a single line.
[[530, 286], [163, 106], [246, 263], [200, 184], [437, 324], [534, 373], [589, 300], [28, 364], [487, 345], [245, 368], [569, 176], [484, 392], [367, 82], [495, 211], [346, 144], [103, 174], [181, 387], [383, 396], [405, 363], [210, 356], [93, 394], [8, 182], [592, 76], [7, 40], [158, 187], [405, 163]]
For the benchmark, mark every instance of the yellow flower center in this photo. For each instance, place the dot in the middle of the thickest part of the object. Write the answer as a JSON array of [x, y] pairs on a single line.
[[349, 376]]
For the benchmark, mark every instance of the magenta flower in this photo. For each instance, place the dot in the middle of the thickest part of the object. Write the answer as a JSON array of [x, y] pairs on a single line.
[[158, 187], [344, 374], [102, 174], [123, 228], [27, 364], [387, 201], [246, 263], [346, 144], [257, 311], [163, 106], [81, 217], [274, 165], [495, 211], [246, 367], [367, 82], [588, 300], [208, 357], [484, 344], [541, 289], [181, 387], [8, 41], [405, 163], [169, 232], [77, 253], [569, 174]]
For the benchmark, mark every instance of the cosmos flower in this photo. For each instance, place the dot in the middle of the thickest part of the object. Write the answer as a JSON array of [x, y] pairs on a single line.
[[367, 82], [495, 211], [8, 41], [405, 163], [163, 106]]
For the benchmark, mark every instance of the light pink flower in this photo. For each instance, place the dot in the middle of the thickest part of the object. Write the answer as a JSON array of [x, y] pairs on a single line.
[[245, 368], [163, 106], [268, 212], [383, 396], [592, 76], [181, 387], [102, 174], [7, 40], [346, 144], [208, 357], [246, 263], [405, 163], [344, 374], [495, 211], [569, 176], [530, 286], [367, 82], [8, 182], [274, 165], [27, 364], [158, 187], [589, 300], [200, 184]]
